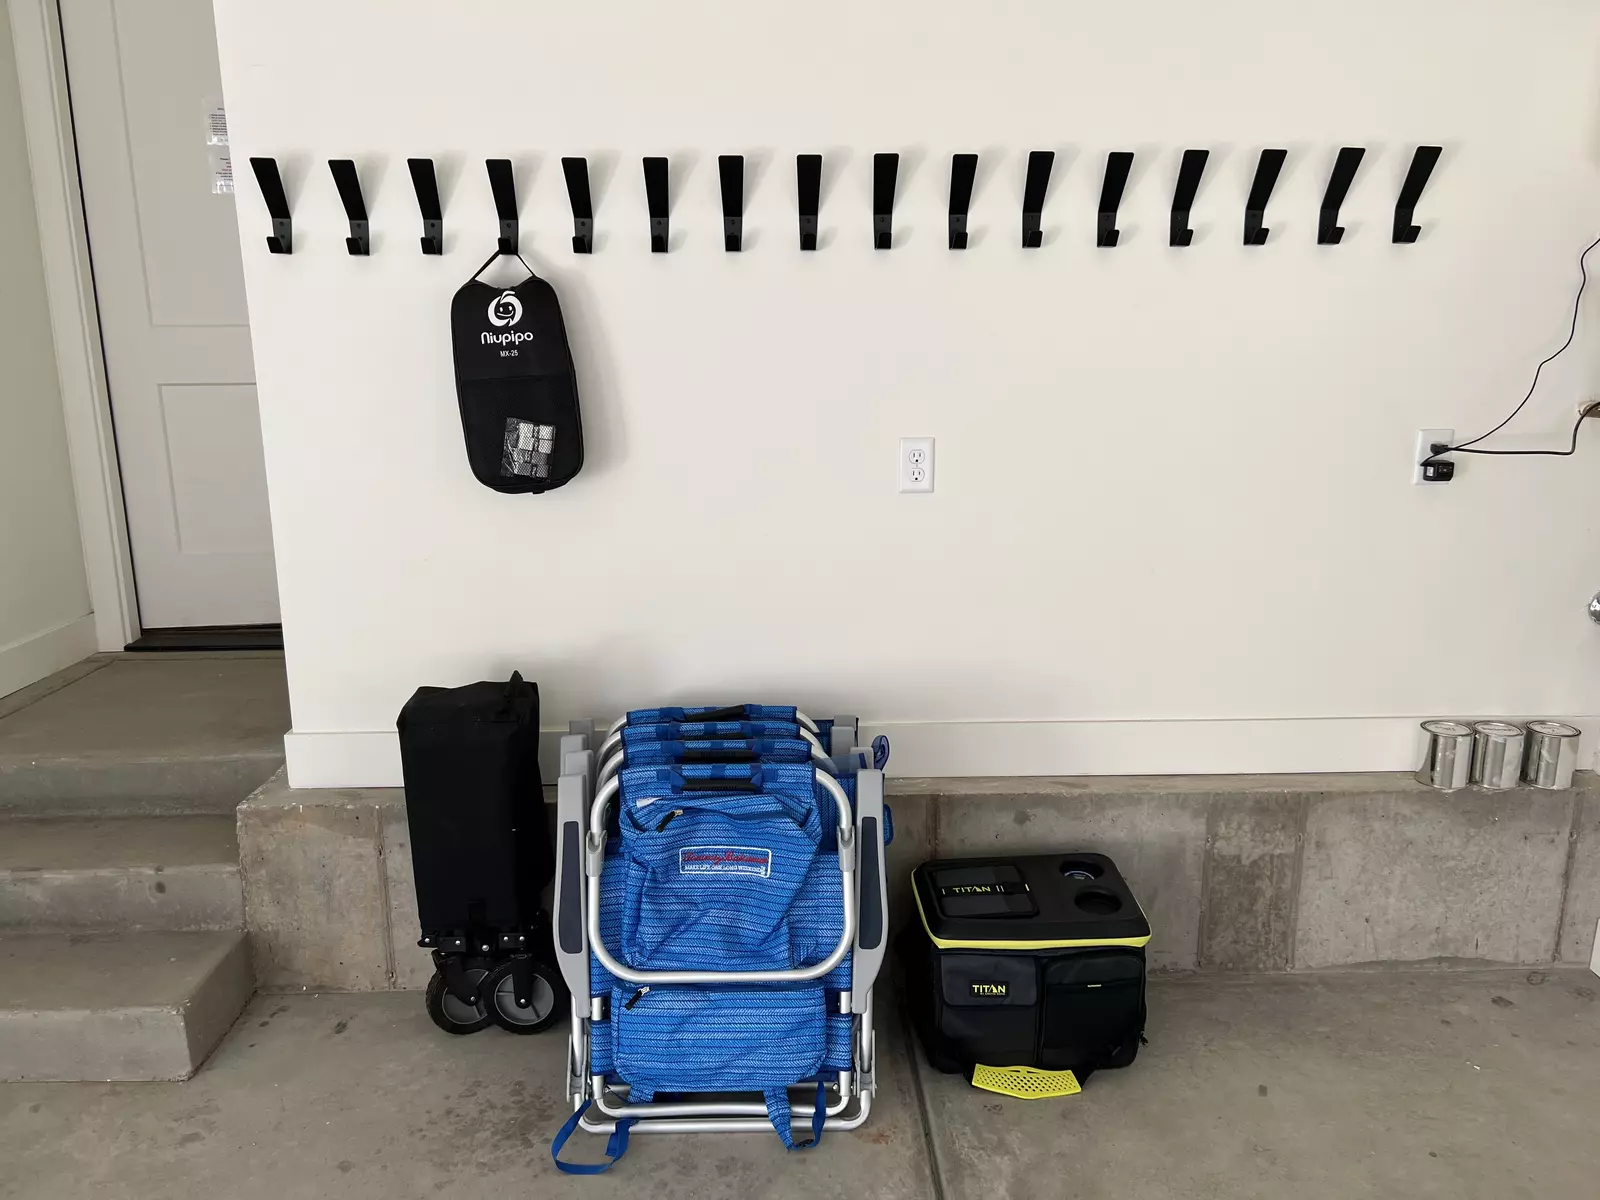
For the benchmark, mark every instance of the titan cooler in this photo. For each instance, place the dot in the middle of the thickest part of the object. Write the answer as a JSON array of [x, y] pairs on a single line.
[[1026, 974]]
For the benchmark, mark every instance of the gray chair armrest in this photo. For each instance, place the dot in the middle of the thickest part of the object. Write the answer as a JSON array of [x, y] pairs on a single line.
[[872, 927]]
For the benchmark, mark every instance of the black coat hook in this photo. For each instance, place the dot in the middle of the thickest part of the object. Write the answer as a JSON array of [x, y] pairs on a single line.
[[271, 185], [655, 191], [963, 169], [505, 203], [884, 169], [808, 181], [1255, 209], [1422, 164], [1033, 190], [1189, 172], [355, 208], [577, 172], [730, 168], [1329, 231], [1118, 164], [427, 188]]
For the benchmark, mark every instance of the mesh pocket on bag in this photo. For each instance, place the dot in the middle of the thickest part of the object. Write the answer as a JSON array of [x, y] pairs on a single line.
[[693, 1039]]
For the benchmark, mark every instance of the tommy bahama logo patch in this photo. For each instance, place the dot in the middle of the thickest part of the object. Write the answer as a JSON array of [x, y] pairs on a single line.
[[725, 860]]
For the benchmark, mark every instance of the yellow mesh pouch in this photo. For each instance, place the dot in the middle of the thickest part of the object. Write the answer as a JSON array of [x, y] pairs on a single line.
[[1026, 1083]]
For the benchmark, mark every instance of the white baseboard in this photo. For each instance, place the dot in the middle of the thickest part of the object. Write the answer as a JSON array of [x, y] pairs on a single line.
[[1271, 746], [30, 659], [338, 760], [955, 749]]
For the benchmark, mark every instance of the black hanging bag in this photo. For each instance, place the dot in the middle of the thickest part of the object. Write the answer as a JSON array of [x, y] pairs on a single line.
[[516, 385]]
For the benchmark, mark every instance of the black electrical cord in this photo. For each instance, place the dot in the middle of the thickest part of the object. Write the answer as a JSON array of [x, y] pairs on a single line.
[[1591, 410]]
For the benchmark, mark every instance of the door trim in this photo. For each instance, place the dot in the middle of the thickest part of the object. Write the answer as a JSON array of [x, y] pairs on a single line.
[[75, 319]]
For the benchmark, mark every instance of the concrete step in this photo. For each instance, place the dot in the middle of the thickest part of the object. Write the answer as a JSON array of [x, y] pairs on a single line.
[[122, 1006], [144, 734], [119, 873]]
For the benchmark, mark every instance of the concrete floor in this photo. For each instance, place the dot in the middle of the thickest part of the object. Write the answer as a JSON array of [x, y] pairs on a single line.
[[140, 734], [133, 706], [1460, 1085]]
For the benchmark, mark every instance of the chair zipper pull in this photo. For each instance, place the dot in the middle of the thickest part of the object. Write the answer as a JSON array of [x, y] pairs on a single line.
[[634, 999], [667, 820]]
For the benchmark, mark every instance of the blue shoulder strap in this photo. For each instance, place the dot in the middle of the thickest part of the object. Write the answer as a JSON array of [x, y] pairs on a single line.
[[778, 1112], [616, 1145]]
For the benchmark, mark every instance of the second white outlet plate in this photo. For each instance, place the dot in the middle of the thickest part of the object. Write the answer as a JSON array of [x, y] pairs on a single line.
[[916, 464]]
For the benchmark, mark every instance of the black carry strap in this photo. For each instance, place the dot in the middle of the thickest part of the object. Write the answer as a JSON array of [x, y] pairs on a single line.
[[734, 712], [532, 274], [508, 698]]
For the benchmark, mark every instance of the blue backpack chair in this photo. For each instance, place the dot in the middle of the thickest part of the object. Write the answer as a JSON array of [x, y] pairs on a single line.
[[722, 924]]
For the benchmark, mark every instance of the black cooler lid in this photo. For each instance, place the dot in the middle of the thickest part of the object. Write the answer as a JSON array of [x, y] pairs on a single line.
[[1030, 902]]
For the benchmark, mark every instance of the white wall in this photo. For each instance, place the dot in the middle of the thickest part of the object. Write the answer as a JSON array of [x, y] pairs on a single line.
[[1174, 527], [44, 598]]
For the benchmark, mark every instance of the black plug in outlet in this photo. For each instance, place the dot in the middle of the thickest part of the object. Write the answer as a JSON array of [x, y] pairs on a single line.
[[1433, 468]]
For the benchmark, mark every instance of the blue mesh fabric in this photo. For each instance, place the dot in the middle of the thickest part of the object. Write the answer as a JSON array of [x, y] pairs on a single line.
[[841, 1041], [838, 1057], [712, 875], [680, 1039], [601, 1061]]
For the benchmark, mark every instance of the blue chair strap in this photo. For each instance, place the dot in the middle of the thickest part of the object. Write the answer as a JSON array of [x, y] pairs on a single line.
[[616, 1145], [778, 1112]]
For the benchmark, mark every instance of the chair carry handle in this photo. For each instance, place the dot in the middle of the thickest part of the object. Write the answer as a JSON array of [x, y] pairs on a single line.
[[733, 712], [749, 784]]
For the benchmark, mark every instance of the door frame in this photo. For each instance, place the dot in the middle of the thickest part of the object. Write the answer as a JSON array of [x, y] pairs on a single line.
[[75, 319]]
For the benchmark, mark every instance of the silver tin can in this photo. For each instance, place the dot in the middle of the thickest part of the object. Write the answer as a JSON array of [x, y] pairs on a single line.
[[1446, 755], [1551, 756], [1496, 755]]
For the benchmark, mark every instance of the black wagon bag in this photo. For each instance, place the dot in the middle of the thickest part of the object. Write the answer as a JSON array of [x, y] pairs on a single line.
[[515, 384], [480, 843]]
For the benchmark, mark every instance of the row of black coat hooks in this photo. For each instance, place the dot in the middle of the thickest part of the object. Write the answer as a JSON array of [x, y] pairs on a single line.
[[885, 168]]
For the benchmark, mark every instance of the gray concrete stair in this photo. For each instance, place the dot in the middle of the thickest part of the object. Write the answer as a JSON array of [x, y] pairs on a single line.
[[118, 1006], [122, 950], [78, 874], [144, 734]]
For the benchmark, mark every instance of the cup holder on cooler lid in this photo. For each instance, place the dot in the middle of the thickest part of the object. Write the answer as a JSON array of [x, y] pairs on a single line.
[[1081, 869], [1097, 902]]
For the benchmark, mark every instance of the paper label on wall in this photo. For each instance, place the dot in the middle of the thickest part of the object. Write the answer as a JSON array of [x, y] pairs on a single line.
[[216, 123], [221, 175]]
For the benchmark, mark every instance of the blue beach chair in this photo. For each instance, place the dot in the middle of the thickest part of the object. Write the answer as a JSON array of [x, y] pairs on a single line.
[[721, 925]]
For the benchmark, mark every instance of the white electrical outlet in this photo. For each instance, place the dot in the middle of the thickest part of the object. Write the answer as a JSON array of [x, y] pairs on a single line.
[[1426, 440], [916, 464]]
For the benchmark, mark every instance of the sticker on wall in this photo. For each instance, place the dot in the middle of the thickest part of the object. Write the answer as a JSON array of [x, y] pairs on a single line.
[[221, 173], [216, 123]]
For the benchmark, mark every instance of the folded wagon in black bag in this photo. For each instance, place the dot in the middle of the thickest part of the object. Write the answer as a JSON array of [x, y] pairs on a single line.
[[481, 854], [1026, 974]]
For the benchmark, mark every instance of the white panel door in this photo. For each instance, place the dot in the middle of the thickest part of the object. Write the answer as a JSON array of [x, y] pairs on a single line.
[[170, 288]]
